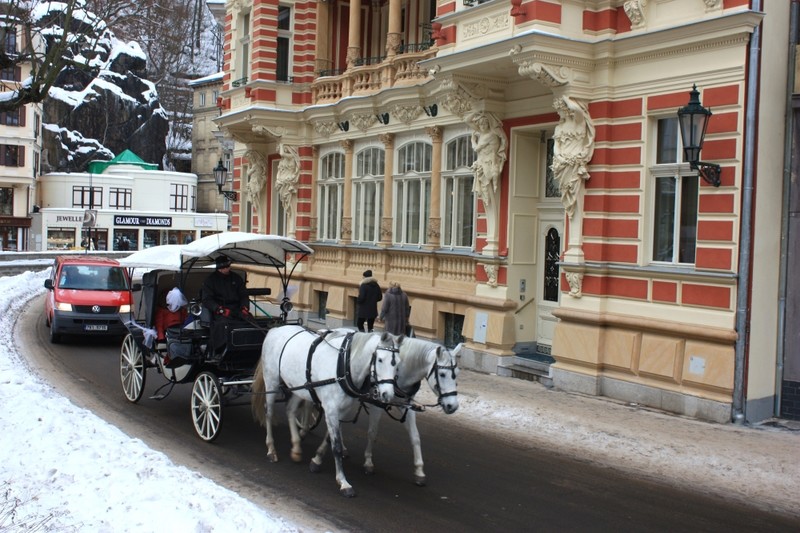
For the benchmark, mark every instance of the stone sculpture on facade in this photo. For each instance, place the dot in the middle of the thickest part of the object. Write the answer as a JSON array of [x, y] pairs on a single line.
[[574, 146], [256, 182], [490, 143], [286, 179]]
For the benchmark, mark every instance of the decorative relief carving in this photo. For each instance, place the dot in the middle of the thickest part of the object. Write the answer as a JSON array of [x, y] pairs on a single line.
[[275, 132], [286, 180], [387, 139], [489, 142], [434, 229], [325, 129], [347, 145], [347, 228], [491, 274], [575, 280], [435, 133], [406, 113], [363, 121], [712, 4], [635, 11], [486, 25], [256, 181], [393, 41], [547, 75], [386, 229]]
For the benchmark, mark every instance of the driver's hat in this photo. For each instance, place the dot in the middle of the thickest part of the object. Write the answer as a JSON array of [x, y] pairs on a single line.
[[223, 261]]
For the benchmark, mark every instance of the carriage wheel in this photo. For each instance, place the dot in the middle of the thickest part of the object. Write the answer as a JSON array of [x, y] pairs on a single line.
[[132, 370], [308, 417], [207, 406]]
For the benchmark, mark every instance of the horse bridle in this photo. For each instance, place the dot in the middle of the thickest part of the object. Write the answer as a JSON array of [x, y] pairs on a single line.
[[435, 371]]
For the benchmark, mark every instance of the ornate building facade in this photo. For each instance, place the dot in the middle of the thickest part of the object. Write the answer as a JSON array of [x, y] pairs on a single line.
[[517, 167]]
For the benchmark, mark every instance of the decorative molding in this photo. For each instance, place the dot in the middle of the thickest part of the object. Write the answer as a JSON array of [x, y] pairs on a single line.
[[712, 4], [276, 132], [326, 129], [435, 133], [406, 113], [491, 273], [634, 9], [486, 25], [363, 121], [575, 280], [548, 75], [347, 145], [387, 139]]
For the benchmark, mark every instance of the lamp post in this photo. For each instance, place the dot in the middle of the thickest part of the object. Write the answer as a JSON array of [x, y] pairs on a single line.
[[693, 119], [220, 177]]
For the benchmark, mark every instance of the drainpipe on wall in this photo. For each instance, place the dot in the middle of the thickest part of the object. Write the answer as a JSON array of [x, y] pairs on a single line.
[[787, 179], [743, 283]]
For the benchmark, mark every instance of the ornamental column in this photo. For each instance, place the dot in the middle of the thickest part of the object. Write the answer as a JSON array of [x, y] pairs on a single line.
[[387, 219], [354, 33], [322, 42], [347, 207], [394, 37], [435, 222]]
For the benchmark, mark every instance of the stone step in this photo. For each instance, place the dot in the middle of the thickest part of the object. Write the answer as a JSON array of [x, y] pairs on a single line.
[[528, 370]]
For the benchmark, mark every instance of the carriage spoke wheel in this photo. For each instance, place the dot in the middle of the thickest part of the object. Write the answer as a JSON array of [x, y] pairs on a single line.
[[207, 406], [132, 370]]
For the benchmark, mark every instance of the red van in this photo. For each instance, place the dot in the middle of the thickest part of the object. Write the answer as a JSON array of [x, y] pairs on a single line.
[[86, 296]]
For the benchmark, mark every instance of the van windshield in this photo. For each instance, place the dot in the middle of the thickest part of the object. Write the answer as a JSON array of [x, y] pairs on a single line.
[[93, 278]]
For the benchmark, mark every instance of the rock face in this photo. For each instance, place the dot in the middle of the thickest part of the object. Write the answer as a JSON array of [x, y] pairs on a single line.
[[96, 114]]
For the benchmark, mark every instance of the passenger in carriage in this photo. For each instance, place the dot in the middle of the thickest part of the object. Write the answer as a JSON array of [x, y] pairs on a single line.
[[171, 311], [225, 296]]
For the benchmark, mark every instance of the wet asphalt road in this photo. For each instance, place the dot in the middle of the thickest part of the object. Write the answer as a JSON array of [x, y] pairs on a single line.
[[476, 482]]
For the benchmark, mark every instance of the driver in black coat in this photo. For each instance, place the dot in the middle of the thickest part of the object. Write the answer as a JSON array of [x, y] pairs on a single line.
[[225, 295]]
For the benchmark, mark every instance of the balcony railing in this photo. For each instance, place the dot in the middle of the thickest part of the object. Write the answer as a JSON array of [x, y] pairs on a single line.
[[414, 47], [365, 61]]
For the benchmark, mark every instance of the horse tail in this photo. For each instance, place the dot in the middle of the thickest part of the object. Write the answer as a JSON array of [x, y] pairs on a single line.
[[258, 399]]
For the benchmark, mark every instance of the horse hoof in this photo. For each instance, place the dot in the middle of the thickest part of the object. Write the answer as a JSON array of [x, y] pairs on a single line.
[[297, 457], [272, 458], [369, 470], [419, 481], [314, 467], [348, 492]]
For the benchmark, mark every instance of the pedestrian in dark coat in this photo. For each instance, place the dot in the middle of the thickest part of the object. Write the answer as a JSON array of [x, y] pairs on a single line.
[[395, 310], [369, 294]]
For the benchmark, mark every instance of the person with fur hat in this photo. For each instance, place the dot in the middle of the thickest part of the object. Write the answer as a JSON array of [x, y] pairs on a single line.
[[225, 295], [395, 311], [369, 294]]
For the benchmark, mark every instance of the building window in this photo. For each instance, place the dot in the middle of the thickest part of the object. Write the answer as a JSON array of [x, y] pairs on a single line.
[[11, 74], [412, 193], [676, 189], [193, 199], [458, 220], [551, 187], [244, 43], [6, 201], [368, 195], [322, 305], [12, 155], [284, 49], [13, 118], [178, 197], [9, 40], [87, 197], [331, 187], [119, 198], [552, 249], [201, 99]]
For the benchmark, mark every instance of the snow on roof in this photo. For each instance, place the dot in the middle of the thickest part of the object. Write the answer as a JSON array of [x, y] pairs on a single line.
[[217, 76]]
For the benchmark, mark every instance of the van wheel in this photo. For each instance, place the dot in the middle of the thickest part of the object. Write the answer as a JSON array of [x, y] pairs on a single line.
[[55, 338]]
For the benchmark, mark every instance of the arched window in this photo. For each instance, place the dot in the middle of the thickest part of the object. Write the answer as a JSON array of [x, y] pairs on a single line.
[[330, 185], [458, 212], [368, 195], [412, 193]]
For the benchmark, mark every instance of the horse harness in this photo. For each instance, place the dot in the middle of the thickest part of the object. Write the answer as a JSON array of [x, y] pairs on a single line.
[[366, 392]]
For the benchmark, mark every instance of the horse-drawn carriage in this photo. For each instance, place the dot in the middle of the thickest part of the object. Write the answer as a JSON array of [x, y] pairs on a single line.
[[221, 372]]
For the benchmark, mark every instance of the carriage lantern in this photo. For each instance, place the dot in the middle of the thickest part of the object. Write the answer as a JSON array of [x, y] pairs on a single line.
[[220, 178]]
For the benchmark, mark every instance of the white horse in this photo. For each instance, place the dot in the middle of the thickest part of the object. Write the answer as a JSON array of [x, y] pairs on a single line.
[[337, 370], [418, 360]]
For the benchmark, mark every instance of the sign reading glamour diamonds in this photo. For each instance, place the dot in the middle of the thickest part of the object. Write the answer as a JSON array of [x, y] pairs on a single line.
[[130, 220]]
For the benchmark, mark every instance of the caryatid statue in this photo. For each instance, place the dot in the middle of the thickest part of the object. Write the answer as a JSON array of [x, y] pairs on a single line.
[[286, 179]]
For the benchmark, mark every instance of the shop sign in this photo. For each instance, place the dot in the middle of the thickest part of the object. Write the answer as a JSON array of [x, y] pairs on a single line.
[[203, 222], [129, 220], [19, 222], [69, 218]]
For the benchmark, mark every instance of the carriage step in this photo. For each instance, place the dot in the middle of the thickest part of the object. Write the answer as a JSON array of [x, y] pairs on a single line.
[[529, 372]]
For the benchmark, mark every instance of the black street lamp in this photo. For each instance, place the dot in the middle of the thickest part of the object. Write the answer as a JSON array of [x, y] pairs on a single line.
[[693, 119], [220, 177]]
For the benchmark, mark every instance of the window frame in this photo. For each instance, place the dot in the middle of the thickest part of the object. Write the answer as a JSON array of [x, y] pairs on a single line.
[[179, 197], [412, 194], [330, 189], [368, 182], [283, 65], [123, 193], [458, 172], [668, 168]]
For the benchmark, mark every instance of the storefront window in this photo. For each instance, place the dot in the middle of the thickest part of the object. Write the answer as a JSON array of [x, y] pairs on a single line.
[[99, 238], [126, 239], [6, 201], [152, 238], [61, 238]]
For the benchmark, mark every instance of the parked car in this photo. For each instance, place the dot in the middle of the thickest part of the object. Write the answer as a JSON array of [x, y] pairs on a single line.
[[86, 296]]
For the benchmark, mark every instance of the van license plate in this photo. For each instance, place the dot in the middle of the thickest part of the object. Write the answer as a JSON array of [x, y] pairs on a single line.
[[96, 327]]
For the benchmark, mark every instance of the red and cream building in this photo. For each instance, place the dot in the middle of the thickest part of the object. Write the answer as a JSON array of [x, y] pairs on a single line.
[[517, 167]]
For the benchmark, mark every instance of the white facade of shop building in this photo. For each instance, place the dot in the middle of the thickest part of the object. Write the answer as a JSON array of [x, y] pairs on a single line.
[[132, 208]]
